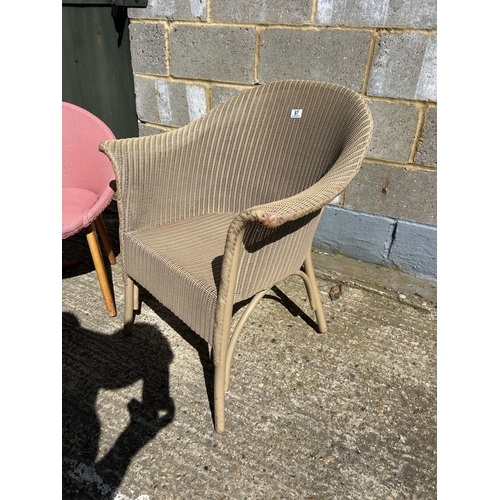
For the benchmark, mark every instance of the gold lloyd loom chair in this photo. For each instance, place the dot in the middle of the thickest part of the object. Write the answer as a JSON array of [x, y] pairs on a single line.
[[222, 209]]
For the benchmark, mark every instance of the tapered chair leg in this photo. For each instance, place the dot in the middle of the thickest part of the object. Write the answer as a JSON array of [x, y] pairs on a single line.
[[105, 239], [320, 315], [136, 298], [219, 395], [95, 251], [128, 318]]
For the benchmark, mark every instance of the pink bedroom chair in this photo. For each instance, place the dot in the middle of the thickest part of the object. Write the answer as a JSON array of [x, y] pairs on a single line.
[[88, 186]]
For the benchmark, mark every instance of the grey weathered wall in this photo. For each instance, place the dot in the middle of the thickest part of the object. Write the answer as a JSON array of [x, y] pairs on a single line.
[[190, 55]]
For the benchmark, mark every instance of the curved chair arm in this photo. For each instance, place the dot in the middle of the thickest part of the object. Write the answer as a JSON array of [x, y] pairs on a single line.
[[164, 178], [306, 205], [143, 181], [314, 198]]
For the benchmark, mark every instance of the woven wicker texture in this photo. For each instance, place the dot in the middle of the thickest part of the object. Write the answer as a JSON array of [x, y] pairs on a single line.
[[185, 196]]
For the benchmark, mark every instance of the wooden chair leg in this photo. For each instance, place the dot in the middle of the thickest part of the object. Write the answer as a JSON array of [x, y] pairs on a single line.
[[105, 239], [95, 251]]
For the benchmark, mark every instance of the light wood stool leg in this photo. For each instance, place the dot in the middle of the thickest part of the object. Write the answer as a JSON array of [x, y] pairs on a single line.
[[95, 251], [105, 239]]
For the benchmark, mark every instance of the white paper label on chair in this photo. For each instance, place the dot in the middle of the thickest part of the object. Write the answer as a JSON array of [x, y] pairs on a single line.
[[296, 113]]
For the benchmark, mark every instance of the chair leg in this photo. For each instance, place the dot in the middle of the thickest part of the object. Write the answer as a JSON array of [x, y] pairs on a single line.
[[220, 367], [101, 228], [219, 395], [236, 333], [136, 297], [95, 251], [222, 373], [320, 316], [128, 319]]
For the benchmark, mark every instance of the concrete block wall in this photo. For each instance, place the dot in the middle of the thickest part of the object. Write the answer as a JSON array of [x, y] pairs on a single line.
[[188, 56]]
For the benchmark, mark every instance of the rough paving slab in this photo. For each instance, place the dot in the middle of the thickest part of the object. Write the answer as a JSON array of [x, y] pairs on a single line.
[[349, 414]]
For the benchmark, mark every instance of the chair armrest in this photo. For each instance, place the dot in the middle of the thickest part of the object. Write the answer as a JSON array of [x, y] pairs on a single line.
[[314, 198], [155, 184], [290, 222]]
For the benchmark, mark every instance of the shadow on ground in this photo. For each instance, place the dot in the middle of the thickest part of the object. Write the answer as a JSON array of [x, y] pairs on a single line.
[[94, 361]]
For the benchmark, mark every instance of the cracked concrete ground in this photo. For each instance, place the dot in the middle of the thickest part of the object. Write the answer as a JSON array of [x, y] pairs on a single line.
[[349, 414]]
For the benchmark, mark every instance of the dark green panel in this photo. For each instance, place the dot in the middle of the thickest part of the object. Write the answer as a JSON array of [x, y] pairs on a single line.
[[96, 65]]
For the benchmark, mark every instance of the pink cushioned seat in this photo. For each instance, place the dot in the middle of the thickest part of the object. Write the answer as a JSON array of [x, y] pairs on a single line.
[[88, 186], [78, 205]]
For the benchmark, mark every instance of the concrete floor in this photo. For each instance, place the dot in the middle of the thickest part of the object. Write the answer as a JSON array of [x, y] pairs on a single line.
[[349, 414]]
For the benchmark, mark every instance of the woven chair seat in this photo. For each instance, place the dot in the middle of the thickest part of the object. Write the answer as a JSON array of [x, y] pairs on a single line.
[[180, 264]]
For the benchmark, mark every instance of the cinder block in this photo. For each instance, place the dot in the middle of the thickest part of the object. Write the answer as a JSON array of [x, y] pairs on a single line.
[[415, 249], [180, 10], [395, 192], [395, 125], [221, 94], [350, 13], [427, 147], [148, 48], [213, 53], [327, 55], [168, 103], [276, 12], [362, 236], [405, 66], [416, 14]]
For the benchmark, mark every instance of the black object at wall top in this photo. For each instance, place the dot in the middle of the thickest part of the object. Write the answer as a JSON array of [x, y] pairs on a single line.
[[96, 62]]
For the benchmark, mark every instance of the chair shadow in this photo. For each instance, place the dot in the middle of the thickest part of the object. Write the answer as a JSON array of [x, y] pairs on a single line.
[[292, 307], [190, 336], [201, 346], [92, 361]]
